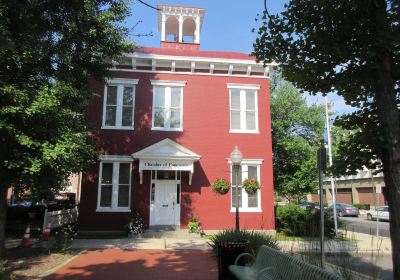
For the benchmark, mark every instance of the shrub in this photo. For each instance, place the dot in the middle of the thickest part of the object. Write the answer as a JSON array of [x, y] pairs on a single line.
[[255, 239], [362, 206], [221, 186], [62, 239], [194, 225], [135, 225], [295, 221], [251, 185]]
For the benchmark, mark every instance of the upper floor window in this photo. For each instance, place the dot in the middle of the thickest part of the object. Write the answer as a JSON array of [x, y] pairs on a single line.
[[119, 104], [243, 108], [115, 183], [167, 105], [250, 169]]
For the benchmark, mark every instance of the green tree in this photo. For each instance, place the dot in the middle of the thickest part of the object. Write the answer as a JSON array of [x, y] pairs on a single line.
[[49, 52], [351, 48], [297, 134]]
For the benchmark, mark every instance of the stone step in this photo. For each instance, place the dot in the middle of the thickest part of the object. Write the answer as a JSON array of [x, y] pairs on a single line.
[[168, 232]]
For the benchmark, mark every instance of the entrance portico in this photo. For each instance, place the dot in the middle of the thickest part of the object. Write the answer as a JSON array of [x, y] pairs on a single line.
[[166, 160]]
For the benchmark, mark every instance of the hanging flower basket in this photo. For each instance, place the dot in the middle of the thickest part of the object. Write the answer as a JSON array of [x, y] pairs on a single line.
[[221, 186], [251, 185]]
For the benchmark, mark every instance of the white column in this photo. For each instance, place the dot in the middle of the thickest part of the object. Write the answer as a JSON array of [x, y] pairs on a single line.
[[197, 31], [180, 28], [163, 19]]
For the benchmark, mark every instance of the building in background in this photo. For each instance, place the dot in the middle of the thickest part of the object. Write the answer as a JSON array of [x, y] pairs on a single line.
[[165, 125], [355, 189]]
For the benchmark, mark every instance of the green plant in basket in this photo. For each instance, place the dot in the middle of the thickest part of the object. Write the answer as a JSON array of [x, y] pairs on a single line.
[[251, 185], [221, 186]]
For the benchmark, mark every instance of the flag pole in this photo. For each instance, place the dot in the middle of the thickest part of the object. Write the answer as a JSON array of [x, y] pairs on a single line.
[[328, 130]]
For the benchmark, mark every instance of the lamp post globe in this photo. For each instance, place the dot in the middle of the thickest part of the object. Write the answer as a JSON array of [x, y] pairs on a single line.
[[236, 159], [236, 156]]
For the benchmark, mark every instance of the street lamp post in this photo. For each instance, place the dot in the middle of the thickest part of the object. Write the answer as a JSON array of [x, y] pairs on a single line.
[[236, 159]]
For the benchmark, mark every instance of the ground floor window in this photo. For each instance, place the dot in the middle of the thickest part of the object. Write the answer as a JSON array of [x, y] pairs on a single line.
[[250, 169], [114, 186]]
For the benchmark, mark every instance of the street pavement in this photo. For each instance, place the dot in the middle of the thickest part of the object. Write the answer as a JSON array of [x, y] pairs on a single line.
[[362, 225]]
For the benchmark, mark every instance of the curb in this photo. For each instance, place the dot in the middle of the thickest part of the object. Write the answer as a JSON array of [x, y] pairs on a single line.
[[54, 269]]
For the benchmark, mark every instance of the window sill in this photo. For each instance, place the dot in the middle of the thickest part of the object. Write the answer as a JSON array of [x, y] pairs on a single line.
[[167, 129], [244, 131], [113, 210], [117, 128], [247, 210]]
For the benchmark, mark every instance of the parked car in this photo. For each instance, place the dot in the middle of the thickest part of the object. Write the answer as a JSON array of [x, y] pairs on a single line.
[[344, 210], [382, 213], [308, 205]]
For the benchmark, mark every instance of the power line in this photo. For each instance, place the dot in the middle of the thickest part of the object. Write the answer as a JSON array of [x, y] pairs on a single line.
[[148, 5]]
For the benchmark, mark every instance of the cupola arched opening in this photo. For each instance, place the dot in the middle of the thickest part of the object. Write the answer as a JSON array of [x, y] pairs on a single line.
[[172, 29]]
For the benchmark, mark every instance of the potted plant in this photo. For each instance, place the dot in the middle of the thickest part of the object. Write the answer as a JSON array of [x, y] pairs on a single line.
[[221, 186], [229, 244], [251, 185]]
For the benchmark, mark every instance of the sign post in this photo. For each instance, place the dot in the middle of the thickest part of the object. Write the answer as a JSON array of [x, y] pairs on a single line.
[[378, 190], [321, 159]]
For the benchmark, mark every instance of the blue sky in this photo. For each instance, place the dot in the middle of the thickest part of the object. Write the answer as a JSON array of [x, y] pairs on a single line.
[[227, 27]]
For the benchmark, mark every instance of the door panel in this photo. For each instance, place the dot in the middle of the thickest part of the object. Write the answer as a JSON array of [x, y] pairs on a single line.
[[166, 209]]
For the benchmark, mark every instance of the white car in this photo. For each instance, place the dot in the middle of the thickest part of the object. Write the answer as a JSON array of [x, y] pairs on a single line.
[[382, 213]]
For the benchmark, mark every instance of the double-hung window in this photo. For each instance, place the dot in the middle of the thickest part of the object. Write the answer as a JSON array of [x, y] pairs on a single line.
[[250, 169], [167, 105], [119, 104], [243, 108], [114, 192]]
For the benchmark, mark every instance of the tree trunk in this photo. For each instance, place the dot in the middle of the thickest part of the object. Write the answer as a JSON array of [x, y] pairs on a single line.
[[3, 218], [388, 115]]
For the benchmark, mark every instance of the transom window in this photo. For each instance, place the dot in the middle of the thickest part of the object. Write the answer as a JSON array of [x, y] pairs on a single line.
[[250, 169], [119, 104], [167, 105], [114, 186], [243, 108]]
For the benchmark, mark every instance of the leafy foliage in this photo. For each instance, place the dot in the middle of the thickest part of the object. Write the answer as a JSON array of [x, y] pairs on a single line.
[[255, 239], [221, 186], [50, 50], [351, 48], [135, 225], [251, 185], [295, 221], [297, 134], [194, 225]]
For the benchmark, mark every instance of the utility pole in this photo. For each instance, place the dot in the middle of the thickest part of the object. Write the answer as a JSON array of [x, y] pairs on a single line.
[[328, 130]]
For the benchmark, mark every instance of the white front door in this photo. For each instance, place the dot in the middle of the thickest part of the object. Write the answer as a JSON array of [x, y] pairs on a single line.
[[166, 209]]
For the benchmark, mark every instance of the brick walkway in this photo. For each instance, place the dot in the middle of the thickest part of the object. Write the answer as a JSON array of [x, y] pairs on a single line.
[[120, 264]]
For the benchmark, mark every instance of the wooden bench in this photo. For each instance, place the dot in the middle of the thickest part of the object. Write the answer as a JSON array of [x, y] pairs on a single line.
[[273, 264]]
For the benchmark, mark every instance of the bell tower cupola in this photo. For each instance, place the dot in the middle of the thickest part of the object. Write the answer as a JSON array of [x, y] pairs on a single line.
[[180, 26]]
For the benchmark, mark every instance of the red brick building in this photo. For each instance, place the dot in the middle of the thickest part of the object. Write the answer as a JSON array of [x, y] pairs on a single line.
[[165, 126]]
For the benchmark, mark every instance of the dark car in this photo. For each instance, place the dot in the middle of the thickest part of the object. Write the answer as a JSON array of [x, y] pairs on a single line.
[[308, 205], [344, 210]]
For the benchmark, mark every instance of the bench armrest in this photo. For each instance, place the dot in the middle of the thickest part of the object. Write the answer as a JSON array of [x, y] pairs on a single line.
[[242, 255]]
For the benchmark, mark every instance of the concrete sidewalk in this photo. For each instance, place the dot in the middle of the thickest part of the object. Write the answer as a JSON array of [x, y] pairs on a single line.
[[358, 242], [142, 243]]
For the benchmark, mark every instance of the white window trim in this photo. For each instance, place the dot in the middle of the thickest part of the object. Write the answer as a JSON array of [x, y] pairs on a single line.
[[115, 160], [245, 163], [243, 88], [119, 83], [167, 84]]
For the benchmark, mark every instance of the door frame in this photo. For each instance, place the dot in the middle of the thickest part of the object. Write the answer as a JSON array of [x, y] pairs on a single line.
[[154, 183]]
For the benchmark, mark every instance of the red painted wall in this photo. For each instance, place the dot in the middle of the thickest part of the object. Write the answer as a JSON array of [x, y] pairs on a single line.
[[206, 122]]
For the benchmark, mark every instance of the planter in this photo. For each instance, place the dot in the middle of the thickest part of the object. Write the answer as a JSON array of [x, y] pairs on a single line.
[[221, 186], [227, 253]]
